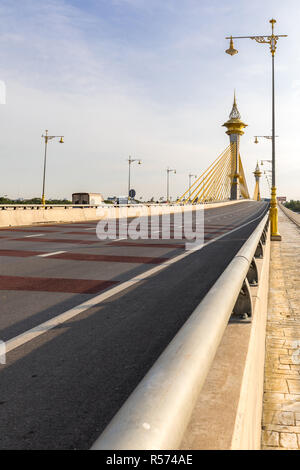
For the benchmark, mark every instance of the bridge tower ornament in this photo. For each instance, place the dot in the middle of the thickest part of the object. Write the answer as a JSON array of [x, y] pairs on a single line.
[[257, 174], [235, 127]]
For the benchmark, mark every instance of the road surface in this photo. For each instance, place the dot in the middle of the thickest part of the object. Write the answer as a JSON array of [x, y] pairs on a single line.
[[116, 304]]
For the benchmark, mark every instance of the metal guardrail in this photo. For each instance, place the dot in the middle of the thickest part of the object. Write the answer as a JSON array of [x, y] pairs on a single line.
[[42, 207], [158, 411], [93, 206], [72, 206]]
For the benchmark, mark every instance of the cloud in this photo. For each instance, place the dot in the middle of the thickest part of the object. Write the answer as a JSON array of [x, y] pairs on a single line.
[[146, 78]]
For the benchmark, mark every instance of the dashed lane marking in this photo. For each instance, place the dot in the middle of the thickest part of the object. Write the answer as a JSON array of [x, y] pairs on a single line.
[[36, 235], [56, 240], [46, 255]]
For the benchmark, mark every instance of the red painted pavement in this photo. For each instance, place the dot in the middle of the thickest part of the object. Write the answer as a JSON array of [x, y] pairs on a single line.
[[110, 258], [144, 244], [44, 284]]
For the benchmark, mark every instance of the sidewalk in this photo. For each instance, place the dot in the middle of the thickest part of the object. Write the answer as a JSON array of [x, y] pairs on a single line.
[[281, 405]]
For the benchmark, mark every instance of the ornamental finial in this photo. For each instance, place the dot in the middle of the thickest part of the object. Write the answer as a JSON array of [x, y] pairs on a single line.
[[234, 112]]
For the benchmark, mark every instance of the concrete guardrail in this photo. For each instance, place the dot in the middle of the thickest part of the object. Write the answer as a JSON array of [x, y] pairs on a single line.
[[293, 216], [23, 214], [158, 411]]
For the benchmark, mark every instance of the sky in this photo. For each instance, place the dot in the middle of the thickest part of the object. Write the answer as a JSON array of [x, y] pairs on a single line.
[[145, 78]]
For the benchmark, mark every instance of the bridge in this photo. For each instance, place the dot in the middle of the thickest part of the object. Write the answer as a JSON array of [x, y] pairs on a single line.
[[152, 327]]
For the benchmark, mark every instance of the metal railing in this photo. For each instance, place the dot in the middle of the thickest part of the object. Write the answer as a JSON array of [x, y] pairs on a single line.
[[46, 207], [95, 206], [158, 411], [74, 206]]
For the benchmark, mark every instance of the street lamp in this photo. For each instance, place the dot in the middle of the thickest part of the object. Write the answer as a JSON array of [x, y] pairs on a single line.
[[47, 138], [262, 136], [272, 41], [169, 170], [130, 161], [190, 183]]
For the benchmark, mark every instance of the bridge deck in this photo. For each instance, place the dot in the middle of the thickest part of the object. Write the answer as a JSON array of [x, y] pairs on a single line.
[[59, 389], [281, 417]]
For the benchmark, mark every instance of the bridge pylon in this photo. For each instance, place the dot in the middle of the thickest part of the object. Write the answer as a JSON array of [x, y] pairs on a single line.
[[257, 173], [224, 179], [235, 127]]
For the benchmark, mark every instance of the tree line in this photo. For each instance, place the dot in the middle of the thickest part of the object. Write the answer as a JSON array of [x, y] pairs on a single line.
[[293, 205], [34, 201]]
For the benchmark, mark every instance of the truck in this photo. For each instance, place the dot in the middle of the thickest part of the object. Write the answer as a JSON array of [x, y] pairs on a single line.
[[90, 199]]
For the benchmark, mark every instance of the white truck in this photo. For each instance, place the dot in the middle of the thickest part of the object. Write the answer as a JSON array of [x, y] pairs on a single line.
[[90, 199]]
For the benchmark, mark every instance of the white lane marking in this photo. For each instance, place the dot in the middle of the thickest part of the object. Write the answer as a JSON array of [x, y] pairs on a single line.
[[37, 235], [51, 254], [94, 228], [73, 312]]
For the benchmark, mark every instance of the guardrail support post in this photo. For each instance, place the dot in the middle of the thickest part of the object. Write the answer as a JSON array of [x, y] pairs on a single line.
[[259, 252], [252, 275], [243, 306]]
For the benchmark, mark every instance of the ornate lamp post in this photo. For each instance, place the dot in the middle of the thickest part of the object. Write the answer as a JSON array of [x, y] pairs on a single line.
[[130, 161], [169, 170], [272, 41], [47, 138]]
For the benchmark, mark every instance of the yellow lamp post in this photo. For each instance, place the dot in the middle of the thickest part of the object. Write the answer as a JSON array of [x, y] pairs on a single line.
[[272, 41], [47, 138]]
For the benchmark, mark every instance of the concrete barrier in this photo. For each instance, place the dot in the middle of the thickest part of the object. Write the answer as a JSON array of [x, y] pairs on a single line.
[[293, 216], [228, 411], [247, 429], [22, 215]]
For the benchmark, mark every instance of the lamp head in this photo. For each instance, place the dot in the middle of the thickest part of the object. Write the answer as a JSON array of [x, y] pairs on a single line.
[[256, 140], [231, 50], [140, 162], [61, 140]]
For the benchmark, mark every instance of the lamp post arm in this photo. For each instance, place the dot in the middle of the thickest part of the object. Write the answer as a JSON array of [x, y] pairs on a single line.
[[258, 38]]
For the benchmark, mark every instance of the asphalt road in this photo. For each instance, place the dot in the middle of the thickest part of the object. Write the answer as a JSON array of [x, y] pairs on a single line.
[[59, 389]]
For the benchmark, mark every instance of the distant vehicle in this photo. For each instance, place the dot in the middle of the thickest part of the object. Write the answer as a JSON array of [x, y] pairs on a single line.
[[121, 200], [87, 198]]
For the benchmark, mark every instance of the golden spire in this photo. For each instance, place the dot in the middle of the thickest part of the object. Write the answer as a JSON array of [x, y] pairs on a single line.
[[257, 171], [235, 125], [257, 174], [234, 112]]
